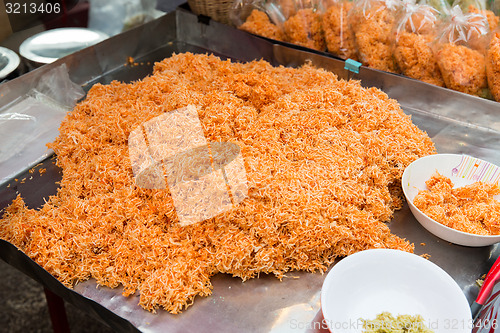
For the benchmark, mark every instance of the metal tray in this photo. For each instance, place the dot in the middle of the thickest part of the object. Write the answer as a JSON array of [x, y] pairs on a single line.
[[456, 122]]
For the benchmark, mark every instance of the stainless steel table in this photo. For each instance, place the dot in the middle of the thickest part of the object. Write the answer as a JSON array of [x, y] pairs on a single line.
[[457, 123]]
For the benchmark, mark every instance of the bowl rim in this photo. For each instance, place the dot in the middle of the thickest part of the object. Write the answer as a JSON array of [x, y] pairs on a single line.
[[410, 203]]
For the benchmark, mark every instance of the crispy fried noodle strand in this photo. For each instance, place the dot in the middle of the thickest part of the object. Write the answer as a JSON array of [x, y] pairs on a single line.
[[323, 159]]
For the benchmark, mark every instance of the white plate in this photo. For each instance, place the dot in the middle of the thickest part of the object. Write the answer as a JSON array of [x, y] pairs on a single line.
[[369, 282], [48, 46], [462, 170], [9, 61]]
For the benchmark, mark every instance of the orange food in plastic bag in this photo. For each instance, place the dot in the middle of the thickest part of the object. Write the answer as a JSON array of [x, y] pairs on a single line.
[[373, 23], [338, 35], [493, 66], [258, 23], [305, 28]]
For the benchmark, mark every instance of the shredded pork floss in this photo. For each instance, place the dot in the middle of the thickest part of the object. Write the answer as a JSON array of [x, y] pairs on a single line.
[[323, 158]]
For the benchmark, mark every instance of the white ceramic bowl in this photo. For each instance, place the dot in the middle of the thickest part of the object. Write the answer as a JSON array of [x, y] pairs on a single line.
[[369, 282], [462, 170]]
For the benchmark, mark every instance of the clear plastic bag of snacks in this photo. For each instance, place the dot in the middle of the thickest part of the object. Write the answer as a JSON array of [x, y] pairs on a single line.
[[305, 26], [415, 31], [294, 21], [373, 22], [460, 51], [480, 7], [339, 37], [263, 18], [493, 64]]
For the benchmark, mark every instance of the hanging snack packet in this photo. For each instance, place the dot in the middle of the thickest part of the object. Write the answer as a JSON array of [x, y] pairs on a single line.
[[373, 22], [493, 65], [415, 32], [460, 50], [339, 37], [305, 27]]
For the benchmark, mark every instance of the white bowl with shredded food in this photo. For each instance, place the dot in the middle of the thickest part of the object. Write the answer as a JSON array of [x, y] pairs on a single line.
[[463, 171], [368, 283]]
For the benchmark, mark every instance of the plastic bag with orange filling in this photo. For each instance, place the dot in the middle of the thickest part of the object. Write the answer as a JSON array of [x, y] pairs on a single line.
[[263, 18], [373, 22], [339, 37], [294, 21], [305, 27], [493, 19], [493, 65], [415, 31], [460, 51], [258, 23]]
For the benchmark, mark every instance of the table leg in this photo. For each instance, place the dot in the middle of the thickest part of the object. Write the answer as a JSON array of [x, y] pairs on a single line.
[[57, 312]]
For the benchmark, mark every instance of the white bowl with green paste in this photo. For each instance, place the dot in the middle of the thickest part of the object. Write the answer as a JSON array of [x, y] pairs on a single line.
[[368, 283]]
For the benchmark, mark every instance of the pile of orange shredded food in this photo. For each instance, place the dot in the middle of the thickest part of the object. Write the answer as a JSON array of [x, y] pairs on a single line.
[[258, 23], [323, 158], [470, 208], [493, 66], [415, 58], [305, 28], [463, 68], [339, 37]]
